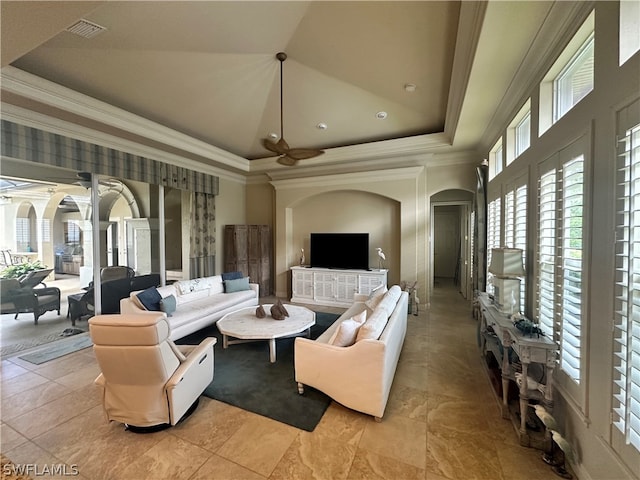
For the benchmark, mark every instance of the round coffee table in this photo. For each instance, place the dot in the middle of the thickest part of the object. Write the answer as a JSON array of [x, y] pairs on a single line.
[[243, 326]]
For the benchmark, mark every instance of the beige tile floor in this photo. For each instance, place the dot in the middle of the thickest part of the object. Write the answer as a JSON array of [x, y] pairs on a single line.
[[442, 422]]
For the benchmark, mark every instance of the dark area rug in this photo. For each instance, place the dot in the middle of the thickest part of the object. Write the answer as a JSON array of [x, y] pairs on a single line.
[[244, 377]]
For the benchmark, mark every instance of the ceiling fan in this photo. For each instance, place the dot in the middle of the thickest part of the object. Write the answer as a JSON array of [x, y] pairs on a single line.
[[287, 156]]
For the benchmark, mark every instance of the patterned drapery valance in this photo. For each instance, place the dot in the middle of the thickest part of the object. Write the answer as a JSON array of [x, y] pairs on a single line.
[[32, 144]]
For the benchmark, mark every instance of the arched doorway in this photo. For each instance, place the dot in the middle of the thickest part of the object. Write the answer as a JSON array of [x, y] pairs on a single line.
[[451, 245]]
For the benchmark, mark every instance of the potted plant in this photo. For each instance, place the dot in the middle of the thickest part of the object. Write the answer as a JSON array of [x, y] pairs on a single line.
[[16, 271]]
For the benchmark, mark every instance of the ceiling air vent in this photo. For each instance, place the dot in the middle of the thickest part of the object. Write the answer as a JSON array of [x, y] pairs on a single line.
[[85, 28]]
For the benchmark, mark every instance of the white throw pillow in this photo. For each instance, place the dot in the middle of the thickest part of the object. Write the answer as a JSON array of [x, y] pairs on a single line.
[[390, 300], [375, 297], [373, 327], [345, 334]]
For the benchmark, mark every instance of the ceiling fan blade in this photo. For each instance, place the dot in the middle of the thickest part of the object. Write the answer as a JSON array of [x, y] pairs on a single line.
[[303, 153], [280, 147], [287, 161], [288, 156]]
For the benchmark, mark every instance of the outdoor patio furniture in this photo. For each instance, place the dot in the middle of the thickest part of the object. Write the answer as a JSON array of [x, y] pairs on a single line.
[[29, 294], [112, 291]]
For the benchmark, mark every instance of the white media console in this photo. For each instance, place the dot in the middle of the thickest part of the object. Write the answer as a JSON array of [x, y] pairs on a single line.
[[326, 286]]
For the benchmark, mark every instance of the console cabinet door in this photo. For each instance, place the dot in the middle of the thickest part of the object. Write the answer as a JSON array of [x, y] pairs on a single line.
[[346, 286], [302, 285], [368, 281], [324, 286]]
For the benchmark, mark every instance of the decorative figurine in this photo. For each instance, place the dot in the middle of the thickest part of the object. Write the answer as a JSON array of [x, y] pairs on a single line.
[[260, 313], [278, 312], [381, 258]]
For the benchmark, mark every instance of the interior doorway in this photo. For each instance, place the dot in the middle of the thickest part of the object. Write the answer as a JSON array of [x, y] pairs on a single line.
[[451, 241]]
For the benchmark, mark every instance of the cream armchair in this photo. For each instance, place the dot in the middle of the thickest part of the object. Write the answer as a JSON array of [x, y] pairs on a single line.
[[147, 381]]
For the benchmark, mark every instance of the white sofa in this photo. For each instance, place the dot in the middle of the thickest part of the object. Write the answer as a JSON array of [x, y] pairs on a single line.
[[199, 303], [358, 376]]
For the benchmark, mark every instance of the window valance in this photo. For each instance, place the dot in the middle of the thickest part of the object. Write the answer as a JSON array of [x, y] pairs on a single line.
[[35, 145]]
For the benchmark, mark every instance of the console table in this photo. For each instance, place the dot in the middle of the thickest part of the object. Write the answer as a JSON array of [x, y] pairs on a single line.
[[498, 334], [325, 286]]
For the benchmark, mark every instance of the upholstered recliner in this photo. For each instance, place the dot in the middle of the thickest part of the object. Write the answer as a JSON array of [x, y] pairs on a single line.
[[147, 380]]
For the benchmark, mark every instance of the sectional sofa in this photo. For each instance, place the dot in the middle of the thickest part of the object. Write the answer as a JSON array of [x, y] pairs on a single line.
[[191, 305]]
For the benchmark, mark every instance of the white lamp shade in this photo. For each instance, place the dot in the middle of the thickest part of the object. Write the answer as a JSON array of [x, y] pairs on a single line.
[[506, 262]]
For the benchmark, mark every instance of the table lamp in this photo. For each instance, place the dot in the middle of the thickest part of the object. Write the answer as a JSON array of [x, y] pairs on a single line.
[[506, 267]]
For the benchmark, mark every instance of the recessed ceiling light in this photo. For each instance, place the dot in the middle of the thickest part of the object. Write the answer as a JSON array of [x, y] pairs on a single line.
[[321, 126], [409, 87], [381, 115]]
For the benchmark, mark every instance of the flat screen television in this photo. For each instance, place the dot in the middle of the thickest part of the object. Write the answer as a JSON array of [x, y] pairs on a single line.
[[339, 250]]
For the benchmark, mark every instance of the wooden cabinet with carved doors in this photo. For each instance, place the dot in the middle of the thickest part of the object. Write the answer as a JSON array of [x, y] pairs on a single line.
[[247, 248]]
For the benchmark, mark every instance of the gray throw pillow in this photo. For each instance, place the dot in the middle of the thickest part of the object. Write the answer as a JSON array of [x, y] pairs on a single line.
[[236, 285], [168, 305]]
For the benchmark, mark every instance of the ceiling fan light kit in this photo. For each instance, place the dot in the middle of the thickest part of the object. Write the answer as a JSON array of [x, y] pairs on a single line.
[[287, 156]]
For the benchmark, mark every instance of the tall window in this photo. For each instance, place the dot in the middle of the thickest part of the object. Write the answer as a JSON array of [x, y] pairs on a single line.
[[546, 252], [629, 30], [495, 159], [570, 78], [493, 235], [575, 81], [519, 133], [626, 375], [571, 292], [515, 227], [23, 233], [560, 299], [523, 134]]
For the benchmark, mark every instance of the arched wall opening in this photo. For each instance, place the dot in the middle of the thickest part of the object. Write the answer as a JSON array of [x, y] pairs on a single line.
[[451, 246], [351, 211]]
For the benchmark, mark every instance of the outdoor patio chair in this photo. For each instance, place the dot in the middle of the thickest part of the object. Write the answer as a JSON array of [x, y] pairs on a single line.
[[33, 296], [116, 272]]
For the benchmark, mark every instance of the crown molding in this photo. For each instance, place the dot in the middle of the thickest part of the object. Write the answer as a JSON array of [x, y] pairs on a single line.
[[469, 29], [344, 158], [40, 121], [38, 89], [408, 173]]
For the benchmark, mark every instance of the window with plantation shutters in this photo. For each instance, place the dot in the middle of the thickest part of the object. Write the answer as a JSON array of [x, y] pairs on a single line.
[[23, 233], [626, 350], [493, 235], [545, 307], [571, 271], [560, 268], [515, 228], [509, 220]]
